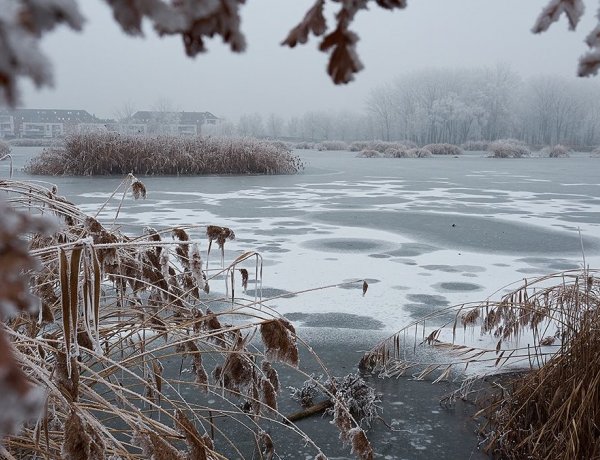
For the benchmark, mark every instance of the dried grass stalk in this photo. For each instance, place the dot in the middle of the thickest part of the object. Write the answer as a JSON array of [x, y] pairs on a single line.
[[279, 338], [81, 442]]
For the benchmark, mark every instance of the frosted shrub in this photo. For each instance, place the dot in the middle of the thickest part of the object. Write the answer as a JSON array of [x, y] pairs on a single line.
[[111, 153], [394, 152], [508, 148], [420, 153], [556, 151], [596, 151], [379, 146], [4, 148], [444, 149], [475, 146], [332, 145], [369, 154], [358, 146], [305, 146]]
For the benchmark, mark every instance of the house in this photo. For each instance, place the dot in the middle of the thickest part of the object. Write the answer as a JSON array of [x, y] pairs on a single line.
[[47, 123], [162, 122]]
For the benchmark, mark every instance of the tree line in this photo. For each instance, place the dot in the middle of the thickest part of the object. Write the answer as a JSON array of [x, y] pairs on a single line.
[[452, 106]]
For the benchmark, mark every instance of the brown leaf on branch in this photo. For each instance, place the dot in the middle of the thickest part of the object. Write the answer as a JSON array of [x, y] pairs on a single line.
[[343, 62], [573, 9], [313, 21]]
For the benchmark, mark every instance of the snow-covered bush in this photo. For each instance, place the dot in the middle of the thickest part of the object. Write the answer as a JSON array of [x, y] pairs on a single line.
[[305, 146], [444, 149], [4, 148], [112, 153], [358, 146], [556, 151], [420, 153], [395, 152], [379, 146], [508, 148], [369, 154], [596, 151], [475, 146], [332, 145]]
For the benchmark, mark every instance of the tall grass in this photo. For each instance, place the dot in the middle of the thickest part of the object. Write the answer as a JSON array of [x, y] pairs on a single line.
[[509, 148], [332, 145], [556, 151], [4, 148], [550, 325], [443, 149], [475, 146], [112, 153], [132, 354], [381, 146]]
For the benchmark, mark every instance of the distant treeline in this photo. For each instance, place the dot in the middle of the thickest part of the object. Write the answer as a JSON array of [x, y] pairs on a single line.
[[453, 106]]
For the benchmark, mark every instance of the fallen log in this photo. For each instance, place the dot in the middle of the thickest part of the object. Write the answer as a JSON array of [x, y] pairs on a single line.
[[312, 410]]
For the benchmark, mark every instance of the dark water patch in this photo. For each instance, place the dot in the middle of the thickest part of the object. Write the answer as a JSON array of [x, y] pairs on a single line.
[[353, 284], [380, 256], [530, 271], [362, 201], [273, 249], [353, 245], [267, 293], [442, 268], [580, 216], [336, 320], [457, 286], [285, 231], [409, 262], [251, 220], [500, 264], [483, 192], [469, 275], [413, 250], [426, 304], [331, 258], [401, 288], [550, 263], [288, 223], [470, 232], [246, 240]]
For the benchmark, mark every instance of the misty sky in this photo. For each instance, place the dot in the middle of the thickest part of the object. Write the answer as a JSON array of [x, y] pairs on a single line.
[[101, 68]]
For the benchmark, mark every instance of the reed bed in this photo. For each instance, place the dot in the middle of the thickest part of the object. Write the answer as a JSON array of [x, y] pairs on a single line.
[[92, 154], [381, 146], [39, 142], [444, 149], [4, 148], [556, 151], [475, 146], [332, 145], [113, 347], [509, 148], [549, 325]]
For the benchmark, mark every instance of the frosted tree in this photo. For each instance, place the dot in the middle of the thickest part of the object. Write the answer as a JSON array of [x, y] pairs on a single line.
[[381, 105], [23, 24]]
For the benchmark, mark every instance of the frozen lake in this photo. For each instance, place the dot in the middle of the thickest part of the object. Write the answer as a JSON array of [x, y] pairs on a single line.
[[425, 233]]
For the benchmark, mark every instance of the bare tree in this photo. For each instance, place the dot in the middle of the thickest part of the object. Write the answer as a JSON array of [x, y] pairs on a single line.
[[381, 105]]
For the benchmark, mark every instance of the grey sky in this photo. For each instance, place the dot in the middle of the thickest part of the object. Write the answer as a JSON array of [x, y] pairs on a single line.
[[101, 68]]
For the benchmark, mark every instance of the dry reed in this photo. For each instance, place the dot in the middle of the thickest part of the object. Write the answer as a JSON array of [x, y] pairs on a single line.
[[116, 310], [552, 411], [92, 154]]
